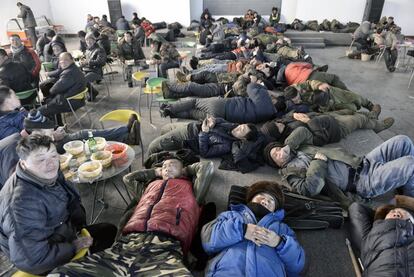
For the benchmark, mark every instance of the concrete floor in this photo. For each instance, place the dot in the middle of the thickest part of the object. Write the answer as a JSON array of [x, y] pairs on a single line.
[[326, 250]]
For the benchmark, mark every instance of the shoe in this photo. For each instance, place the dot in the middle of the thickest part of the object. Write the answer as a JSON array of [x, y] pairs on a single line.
[[323, 68], [194, 62], [134, 135], [131, 121], [165, 90], [386, 123], [130, 85], [92, 96], [375, 111], [181, 77], [185, 70], [165, 110]]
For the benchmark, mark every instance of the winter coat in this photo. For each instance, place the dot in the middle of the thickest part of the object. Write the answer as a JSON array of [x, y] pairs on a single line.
[[27, 15], [122, 24], [29, 59], [274, 19], [218, 33], [131, 51], [11, 122], [71, 82], [237, 256], [169, 53], [15, 76], [386, 245], [256, 108], [297, 73], [40, 44], [218, 141], [104, 42], [38, 222], [8, 157], [95, 59], [169, 207]]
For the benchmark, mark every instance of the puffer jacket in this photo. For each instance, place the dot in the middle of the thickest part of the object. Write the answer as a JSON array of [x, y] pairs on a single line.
[[237, 256], [27, 15], [8, 157], [169, 207], [15, 76], [387, 246], [29, 59], [256, 108], [218, 141], [71, 82], [131, 51], [11, 122], [38, 222], [297, 73], [95, 59]]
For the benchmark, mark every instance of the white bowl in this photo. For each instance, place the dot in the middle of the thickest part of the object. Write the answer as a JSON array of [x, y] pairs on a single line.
[[90, 170], [75, 147]]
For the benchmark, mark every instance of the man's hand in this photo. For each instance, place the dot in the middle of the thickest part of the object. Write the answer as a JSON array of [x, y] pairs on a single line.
[[82, 242], [267, 237], [251, 233], [253, 79], [324, 87], [320, 156], [301, 117], [59, 133], [211, 121], [204, 126]]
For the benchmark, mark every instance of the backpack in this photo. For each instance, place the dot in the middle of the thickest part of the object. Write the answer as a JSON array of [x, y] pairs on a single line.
[[301, 212]]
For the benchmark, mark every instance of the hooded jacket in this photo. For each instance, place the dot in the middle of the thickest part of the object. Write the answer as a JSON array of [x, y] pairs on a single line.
[[237, 256]]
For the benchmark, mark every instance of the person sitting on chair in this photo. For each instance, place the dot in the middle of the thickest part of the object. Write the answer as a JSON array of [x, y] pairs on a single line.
[[159, 226], [11, 113], [95, 60], [70, 82], [14, 74], [246, 232], [26, 56], [384, 237], [130, 49], [41, 214]]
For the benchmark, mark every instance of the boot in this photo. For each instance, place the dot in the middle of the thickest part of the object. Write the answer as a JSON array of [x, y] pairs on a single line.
[[93, 93], [375, 111], [385, 124], [165, 110]]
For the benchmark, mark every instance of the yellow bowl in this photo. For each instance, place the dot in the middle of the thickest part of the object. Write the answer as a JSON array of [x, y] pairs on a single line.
[[75, 147], [100, 143], [104, 157], [64, 160], [90, 170]]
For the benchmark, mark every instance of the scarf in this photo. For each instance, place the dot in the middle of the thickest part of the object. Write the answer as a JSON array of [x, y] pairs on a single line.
[[17, 50], [27, 175], [258, 210]]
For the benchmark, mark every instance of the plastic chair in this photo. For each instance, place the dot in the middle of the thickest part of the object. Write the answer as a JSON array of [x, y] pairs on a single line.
[[80, 96], [47, 66], [139, 76], [23, 95], [123, 117], [80, 254], [153, 87]]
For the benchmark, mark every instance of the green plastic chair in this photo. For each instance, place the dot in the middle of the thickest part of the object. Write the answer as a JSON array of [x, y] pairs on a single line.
[[23, 95], [48, 66]]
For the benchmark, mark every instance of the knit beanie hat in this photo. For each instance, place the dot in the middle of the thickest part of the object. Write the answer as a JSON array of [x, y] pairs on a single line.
[[266, 153], [35, 120], [290, 92], [271, 188], [270, 129]]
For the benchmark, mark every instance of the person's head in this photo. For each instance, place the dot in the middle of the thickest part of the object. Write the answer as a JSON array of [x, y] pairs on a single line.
[[19, 4], [245, 131], [50, 34], [403, 209], [122, 16], [399, 213], [280, 104], [90, 39], [57, 49], [292, 94], [89, 17], [36, 123], [38, 155], [82, 35], [15, 41], [277, 155], [171, 168], [273, 129], [65, 60], [8, 99], [266, 193], [135, 15], [104, 17], [206, 15], [96, 19], [3, 56], [275, 10], [390, 20], [239, 87], [128, 37]]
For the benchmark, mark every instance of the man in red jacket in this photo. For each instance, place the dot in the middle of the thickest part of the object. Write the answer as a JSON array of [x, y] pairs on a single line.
[[296, 73], [160, 224]]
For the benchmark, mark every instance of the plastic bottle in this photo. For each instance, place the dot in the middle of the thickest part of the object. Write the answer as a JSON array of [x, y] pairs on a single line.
[[91, 143]]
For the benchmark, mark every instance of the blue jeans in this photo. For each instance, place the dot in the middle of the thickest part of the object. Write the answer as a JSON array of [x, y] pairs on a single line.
[[387, 167]]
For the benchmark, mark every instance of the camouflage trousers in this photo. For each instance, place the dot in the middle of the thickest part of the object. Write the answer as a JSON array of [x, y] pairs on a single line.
[[137, 254]]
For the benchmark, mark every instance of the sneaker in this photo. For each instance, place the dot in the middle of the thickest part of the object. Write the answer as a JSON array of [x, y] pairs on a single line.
[[323, 68], [386, 123], [130, 85], [375, 111], [181, 77]]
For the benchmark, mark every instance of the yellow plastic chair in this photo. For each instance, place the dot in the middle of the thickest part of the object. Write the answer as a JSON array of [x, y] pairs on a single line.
[[81, 253], [80, 96], [123, 117], [139, 77]]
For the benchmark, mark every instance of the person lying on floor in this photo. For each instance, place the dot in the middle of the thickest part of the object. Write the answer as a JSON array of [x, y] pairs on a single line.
[[12, 113], [41, 214], [321, 97], [308, 169], [36, 123], [238, 145], [258, 107], [251, 240], [320, 129], [159, 226], [384, 237], [283, 49]]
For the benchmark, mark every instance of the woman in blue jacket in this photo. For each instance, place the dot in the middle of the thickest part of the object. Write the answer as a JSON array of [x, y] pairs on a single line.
[[251, 240]]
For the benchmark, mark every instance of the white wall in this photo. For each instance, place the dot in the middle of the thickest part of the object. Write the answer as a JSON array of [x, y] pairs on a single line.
[[72, 13], [159, 10], [10, 10], [402, 10], [288, 10]]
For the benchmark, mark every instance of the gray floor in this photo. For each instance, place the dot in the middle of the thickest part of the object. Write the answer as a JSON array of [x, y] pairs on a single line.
[[326, 251]]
